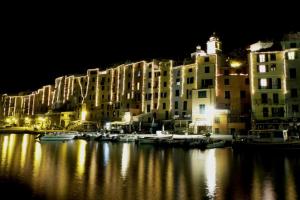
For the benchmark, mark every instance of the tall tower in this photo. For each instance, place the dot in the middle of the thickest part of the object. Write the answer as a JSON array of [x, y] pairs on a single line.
[[213, 45]]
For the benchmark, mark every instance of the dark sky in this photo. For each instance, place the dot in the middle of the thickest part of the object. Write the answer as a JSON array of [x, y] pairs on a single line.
[[39, 46]]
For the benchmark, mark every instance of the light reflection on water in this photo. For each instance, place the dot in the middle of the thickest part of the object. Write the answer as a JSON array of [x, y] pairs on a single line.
[[90, 170]]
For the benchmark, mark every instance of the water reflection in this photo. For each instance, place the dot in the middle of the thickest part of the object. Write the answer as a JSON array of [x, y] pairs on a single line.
[[92, 170], [210, 171]]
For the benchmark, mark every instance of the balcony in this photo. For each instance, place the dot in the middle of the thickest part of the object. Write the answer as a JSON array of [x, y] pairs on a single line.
[[268, 101]]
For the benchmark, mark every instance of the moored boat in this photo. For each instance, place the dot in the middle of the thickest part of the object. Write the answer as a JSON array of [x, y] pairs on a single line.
[[57, 136]]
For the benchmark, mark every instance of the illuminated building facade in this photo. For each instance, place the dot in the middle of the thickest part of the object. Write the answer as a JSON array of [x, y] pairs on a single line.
[[275, 81]]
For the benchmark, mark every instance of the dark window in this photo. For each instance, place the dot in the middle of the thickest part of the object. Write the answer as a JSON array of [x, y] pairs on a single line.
[[165, 84], [264, 98], [293, 45], [278, 83], [242, 94], [247, 81], [265, 112], [273, 67], [293, 73], [277, 112], [176, 104], [227, 94], [164, 105], [185, 105], [275, 98], [206, 69], [149, 85], [176, 93], [226, 72], [190, 70], [178, 73], [93, 79], [201, 94], [295, 108], [273, 56], [294, 92], [93, 88], [202, 108], [206, 59], [226, 81], [149, 74], [148, 108], [165, 73]]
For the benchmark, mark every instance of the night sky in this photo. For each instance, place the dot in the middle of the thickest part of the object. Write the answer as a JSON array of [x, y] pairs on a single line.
[[39, 46]]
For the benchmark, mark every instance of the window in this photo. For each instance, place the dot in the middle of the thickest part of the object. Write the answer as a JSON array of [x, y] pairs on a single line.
[[176, 104], [138, 85], [165, 73], [93, 88], [247, 81], [164, 105], [264, 98], [226, 81], [217, 130], [202, 94], [265, 112], [291, 55], [128, 85], [294, 92], [262, 58], [277, 112], [293, 73], [206, 59], [295, 108], [190, 69], [242, 94], [177, 93], [149, 74], [202, 108], [227, 94], [177, 81], [93, 79], [165, 84], [278, 83], [178, 73], [217, 120], [293, 45], [273, 56], [149, 85], [262, 69], [139, 73], [128, 95], [275, 98], [185, 105], [226, 72], [155, 95], [206, 69], [263, 83], [273, 67], [190, 80], [148, 108]]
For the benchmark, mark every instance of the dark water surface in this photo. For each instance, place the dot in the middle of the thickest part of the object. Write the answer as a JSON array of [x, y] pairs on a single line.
[[90, 170]]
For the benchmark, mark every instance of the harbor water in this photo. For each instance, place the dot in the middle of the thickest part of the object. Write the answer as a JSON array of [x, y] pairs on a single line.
[[80, 169]]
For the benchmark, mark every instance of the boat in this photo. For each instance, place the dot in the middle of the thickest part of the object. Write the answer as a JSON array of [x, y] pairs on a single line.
[[127, 138], [57, 136], [216, 144], [268, 139]]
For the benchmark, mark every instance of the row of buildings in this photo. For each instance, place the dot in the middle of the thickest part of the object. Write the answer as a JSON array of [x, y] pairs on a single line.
[[210, 92]]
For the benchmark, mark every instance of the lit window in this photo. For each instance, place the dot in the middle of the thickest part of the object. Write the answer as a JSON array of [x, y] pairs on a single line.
[[262, 68], [138, 86], [263, 82], [262, 58], [128, 95], [291, 55]]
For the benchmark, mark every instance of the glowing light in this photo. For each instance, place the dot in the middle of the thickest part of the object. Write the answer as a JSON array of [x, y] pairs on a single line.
[[210, 172], [262, 68], [4, 147], [65, 89], [143, 87], [132, 81], [15, 105], [53, 96], [152, 86], [97, 90], [251, 73], [125, 159], [182, 79], [49, 94], [171, 85], [118, 84], [111, 85], [69, 85], [262, 58], [83, 115], [216, 78], [106, 153], [29, 105], [159, 91], [33, 101], [43, 98], [59, 85], [285, 76], [263, 82], [124, 70], [9, 106], [235, 64], [81, 157], [24, 149], [291, 55], [81, 92]]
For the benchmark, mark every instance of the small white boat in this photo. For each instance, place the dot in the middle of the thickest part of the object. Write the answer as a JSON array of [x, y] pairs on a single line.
[[127, 138], [57, 136]]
